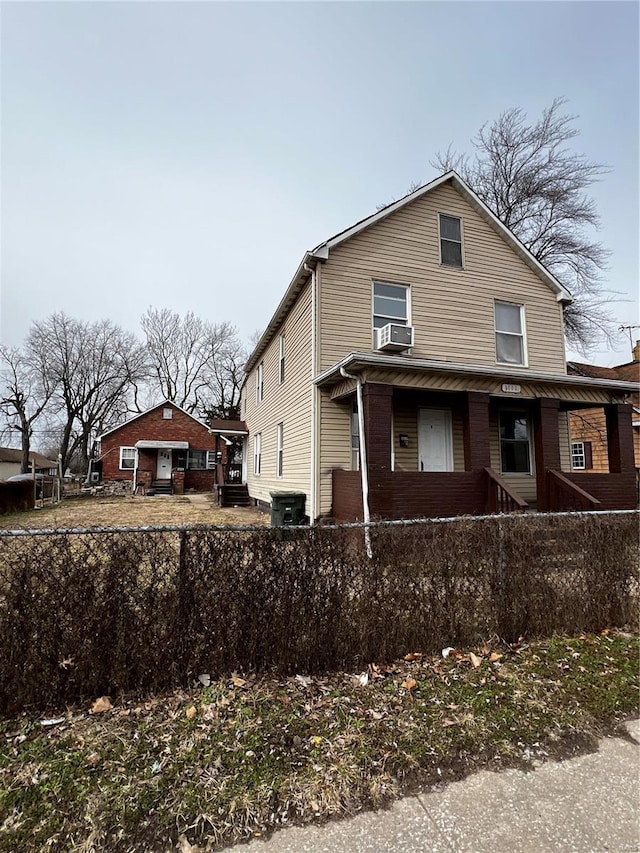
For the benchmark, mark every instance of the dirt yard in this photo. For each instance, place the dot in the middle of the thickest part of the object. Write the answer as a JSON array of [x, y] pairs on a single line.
[[133, 512]]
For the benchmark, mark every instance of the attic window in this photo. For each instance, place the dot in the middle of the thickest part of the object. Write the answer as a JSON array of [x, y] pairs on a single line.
[[167, 414], [450, 241]]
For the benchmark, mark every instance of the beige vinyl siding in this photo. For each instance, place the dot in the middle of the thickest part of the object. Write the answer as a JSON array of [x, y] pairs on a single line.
[[288, 403], [565, 441], [451, 309], [334, 445], [523, 484]]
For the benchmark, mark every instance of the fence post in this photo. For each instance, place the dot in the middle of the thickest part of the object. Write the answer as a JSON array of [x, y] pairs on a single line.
[[502, 579]]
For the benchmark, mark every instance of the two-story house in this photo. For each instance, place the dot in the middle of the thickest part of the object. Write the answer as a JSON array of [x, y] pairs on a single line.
[[415, 366]]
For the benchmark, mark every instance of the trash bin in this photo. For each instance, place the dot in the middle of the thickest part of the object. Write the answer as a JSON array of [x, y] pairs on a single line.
[[287, 508]]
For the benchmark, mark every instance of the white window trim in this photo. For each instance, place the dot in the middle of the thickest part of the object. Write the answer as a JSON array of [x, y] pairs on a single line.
[[211, 460], [257, 453], [532, 462], [407, 288], [281, 360], [260, 383], [280, 450], [580, 453], [135, 453], [440, 238], [523, 333]]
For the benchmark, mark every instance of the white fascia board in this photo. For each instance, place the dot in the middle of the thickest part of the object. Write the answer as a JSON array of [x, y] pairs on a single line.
[[562, 294], [290, 296], [363, 359], [150, 409]]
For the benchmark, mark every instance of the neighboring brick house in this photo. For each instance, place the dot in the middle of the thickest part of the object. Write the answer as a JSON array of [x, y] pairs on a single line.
[[588, 428], [415, 366], [167, 449]]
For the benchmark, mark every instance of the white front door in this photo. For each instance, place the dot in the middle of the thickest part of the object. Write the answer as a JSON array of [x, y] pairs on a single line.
[[163, 471], [435, 445]]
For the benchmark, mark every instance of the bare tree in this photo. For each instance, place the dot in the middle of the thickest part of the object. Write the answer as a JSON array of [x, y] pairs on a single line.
[[194, 363], [25, 392], [93, 368], [227, 372], [536, 185]]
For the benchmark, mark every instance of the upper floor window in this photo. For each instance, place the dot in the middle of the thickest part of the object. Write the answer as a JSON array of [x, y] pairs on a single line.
[[259, 383], [509, 327], [450, 240], [127, 458], [281, 361], [390, 304]]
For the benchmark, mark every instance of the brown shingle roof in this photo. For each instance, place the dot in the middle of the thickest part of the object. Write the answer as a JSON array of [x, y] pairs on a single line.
[[220, 425], [10, 454], [629, 372]]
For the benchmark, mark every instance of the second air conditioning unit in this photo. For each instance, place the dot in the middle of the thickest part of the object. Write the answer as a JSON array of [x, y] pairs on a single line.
[[394, 338]]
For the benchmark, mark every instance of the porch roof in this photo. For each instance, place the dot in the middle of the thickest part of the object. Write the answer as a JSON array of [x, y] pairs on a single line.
[[162, 445], [359, 361]]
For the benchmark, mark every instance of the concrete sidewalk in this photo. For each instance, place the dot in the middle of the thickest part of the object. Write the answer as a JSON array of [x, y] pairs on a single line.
[[589, 804]]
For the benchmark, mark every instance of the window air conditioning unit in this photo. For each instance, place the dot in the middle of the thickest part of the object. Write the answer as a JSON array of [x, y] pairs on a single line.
[[394, 338]]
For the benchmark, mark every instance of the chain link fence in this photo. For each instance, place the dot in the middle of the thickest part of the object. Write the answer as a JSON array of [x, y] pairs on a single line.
[[90, 612]]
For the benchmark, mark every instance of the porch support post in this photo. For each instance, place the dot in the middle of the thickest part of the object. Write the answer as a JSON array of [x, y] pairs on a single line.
[[377, 407], [547, 447], [477, 447], [619, 438]]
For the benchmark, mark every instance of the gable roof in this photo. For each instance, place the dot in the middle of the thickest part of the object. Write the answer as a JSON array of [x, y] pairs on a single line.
[[10, 454], [322, 250], [629, 372], [151, 409]]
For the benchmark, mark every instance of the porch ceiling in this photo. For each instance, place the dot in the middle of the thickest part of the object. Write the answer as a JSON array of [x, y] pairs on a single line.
[[162, 445]]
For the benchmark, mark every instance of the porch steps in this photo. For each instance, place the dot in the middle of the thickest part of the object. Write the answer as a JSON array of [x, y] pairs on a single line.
[[235, 494], [161, 487]]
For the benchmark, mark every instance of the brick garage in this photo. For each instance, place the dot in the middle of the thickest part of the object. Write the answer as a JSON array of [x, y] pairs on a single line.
[[157, 425]]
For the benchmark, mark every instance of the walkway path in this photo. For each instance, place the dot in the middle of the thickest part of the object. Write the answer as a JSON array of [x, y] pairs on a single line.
[[588, 804]]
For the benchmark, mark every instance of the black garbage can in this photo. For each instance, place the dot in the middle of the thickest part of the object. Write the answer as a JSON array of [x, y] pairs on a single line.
[[287, 508]]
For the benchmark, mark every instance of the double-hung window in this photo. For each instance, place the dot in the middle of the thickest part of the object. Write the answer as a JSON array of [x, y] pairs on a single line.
[[355, 437], [509, 329], [390, 304], [260, 383], [280, 450], [578, 460], [450, 240], [515, 449], [281, 359], [257, 452], [127, 458]]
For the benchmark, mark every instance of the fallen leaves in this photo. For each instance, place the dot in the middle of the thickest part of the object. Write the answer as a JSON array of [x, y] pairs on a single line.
[[101, 705], [191, 712], [410, 684], [475, 660]]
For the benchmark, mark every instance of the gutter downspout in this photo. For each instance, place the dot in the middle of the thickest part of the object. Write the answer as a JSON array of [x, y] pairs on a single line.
[[135, 473], [364, 473], [314, 442]]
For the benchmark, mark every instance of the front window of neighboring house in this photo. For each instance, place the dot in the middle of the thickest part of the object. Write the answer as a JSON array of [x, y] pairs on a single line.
[[259, 383], [581, 455], [201, 460], [509, 327], [355, 437], [280, 451], [257, 452], [390, 304], [450, 240], [515, 449], [127, 458]]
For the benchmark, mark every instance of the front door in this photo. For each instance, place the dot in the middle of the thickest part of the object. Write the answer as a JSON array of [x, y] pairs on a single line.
[[163, 471], [435, 445]]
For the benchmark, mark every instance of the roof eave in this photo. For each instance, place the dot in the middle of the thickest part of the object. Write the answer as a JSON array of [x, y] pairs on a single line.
[[357, 360]]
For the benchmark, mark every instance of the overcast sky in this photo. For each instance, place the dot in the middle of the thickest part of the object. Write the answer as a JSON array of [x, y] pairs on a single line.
[[184, 155]]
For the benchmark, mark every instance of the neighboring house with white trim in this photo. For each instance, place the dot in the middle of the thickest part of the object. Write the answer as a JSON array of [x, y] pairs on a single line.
[[417, 358]]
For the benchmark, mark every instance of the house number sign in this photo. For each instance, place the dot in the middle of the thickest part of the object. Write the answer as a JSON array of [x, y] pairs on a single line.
[[511, 389]]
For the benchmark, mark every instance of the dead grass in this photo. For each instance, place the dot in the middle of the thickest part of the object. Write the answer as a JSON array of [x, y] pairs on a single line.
[[199, 508], [242, 756]]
